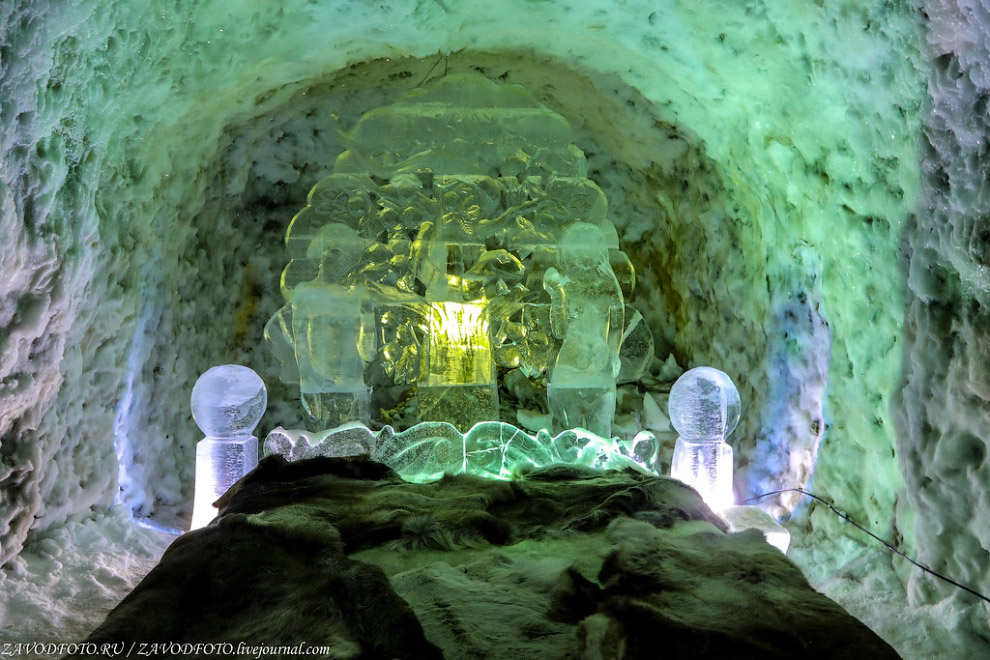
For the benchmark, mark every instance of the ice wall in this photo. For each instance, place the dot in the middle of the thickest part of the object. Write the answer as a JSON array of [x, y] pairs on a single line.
[[943, 411], [758, 172]]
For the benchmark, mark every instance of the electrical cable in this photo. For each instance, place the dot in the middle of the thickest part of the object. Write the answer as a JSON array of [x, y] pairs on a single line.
[[890, 547]]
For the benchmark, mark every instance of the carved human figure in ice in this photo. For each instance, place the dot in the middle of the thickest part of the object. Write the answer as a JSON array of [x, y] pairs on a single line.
[[333, 328], [586, 312], [443, 215]]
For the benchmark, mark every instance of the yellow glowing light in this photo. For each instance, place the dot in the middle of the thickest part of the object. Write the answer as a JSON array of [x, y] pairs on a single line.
[[460, 348]]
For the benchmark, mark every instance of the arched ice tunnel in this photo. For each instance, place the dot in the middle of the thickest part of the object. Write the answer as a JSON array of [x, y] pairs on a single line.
[[798, 189]]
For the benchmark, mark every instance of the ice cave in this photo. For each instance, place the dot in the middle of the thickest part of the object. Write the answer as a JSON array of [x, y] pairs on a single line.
[[469, 248]]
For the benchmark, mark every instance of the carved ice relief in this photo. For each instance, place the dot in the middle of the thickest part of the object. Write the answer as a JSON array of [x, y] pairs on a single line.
[[458, 236]]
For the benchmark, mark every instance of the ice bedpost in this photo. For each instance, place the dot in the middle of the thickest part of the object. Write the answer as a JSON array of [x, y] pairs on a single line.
[[586, 312], [227, 403], [704, 409]]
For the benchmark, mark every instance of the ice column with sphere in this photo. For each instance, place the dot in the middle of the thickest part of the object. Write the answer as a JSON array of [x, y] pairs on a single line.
[[227, 403], [586, 312], [704, 409]]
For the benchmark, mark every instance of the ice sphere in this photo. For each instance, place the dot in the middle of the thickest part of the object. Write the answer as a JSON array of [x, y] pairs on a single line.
[[228, 401], [704, 405], [704, 408]]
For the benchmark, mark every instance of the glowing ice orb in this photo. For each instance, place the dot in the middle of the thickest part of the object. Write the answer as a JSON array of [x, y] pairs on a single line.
[[227, 403], [704, 408]]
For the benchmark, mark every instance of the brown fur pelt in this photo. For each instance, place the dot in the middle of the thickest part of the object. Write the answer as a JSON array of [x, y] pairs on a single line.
[[560, 563]]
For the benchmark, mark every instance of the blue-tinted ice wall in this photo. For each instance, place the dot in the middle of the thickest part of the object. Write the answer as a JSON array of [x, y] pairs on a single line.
[[762, 156]]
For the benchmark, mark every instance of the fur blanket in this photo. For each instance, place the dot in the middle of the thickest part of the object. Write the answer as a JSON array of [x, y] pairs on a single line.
[[561, 563]]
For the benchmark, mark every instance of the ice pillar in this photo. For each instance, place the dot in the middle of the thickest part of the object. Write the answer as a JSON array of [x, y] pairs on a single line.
[[227, 403], [704, 409]]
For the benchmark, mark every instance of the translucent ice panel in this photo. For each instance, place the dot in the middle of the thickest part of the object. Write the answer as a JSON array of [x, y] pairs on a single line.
[[704, 405], [228, 401], [636, 350], [460, 349], [496, 450]]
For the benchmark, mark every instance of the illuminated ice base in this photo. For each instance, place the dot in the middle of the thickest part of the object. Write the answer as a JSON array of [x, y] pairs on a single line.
[[497, 450], [706, 467], [219, 464], [750, 517]]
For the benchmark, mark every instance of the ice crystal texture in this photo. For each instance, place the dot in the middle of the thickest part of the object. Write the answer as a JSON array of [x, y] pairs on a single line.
[[227, 404], [429, 450], [586, 314]]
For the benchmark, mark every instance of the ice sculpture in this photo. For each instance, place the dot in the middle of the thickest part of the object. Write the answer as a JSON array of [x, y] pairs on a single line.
[[704, 409], [227, 403], [586, 312], [427, 451], [425, 251], [331, 325]]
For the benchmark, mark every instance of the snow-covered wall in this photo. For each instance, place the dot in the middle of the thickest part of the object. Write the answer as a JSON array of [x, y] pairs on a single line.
[[944, 416], [760, 159]]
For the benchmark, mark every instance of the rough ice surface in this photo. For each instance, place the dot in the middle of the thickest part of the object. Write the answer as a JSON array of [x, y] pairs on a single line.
[[61, 587], [761, 165], [586, 314], [429, 450]]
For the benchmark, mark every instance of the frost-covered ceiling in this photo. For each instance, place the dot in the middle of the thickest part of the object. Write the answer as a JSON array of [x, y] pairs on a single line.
[[763, 163]]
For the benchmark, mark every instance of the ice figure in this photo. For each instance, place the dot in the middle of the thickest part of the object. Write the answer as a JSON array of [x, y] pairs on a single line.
[[586, 312], [704, 409], [426, 251], [332, 328], [427, 451], [227, 403]]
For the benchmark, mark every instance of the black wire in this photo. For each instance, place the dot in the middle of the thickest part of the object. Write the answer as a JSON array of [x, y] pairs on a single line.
[[890, 547]]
